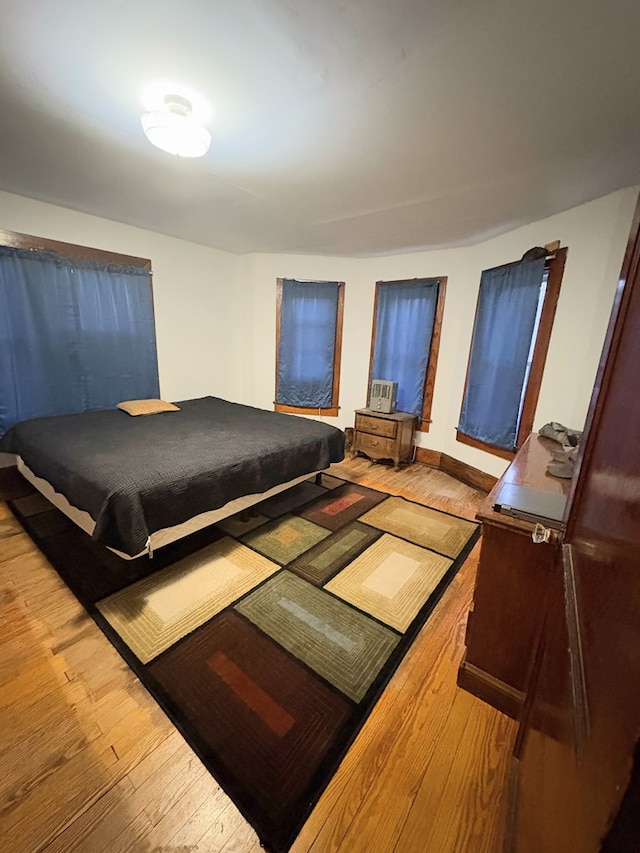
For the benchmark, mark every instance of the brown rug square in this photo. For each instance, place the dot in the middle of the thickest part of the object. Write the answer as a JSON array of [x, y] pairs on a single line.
[[341, 506], [269, 721], [324, 560]]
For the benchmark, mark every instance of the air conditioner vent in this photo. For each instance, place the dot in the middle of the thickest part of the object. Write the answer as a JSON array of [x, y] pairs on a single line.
[[383, 396]]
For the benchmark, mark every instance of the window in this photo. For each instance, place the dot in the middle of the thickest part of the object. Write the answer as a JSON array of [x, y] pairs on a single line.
[[76, 329], [407, 320], [514, 316], [308, 346]]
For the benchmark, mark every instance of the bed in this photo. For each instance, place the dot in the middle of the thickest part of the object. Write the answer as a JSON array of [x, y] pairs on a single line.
[[137, 483]]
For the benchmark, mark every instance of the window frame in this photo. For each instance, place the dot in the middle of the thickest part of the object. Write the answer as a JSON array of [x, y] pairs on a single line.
[[333, 410], [76, 254], [555, 263], [424, 419], [15, 240]]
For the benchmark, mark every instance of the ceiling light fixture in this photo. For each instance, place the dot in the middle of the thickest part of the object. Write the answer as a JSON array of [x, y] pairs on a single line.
[[174, 129]]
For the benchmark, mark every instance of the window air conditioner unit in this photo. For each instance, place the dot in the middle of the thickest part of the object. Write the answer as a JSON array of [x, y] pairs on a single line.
[[384, 395]]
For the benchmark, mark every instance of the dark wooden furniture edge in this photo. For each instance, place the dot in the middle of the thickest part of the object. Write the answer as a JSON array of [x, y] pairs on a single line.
[[540, 448], [491, 690]]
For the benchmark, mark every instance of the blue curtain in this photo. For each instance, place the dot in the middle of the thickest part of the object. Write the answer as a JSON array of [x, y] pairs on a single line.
[[308, 316], [504, 326], [405, 313], [74, 335]]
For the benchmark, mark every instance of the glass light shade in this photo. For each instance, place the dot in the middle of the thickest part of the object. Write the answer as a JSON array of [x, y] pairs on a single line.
[[175, 131]]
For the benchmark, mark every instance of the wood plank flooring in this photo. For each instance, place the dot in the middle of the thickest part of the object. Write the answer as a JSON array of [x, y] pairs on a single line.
[[89, 763]]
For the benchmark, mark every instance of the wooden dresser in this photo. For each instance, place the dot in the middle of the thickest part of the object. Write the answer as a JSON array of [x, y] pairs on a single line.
[[384, 436], [510, 585], [577, 751]]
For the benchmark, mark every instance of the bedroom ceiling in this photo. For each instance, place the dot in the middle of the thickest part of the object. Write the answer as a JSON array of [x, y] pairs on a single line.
[[344, 127]]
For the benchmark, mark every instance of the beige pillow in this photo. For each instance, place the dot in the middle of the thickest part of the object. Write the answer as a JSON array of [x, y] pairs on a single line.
[[146, 407]]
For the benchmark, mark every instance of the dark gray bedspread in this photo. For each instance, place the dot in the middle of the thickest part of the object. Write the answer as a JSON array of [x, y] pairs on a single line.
[[137, 475]]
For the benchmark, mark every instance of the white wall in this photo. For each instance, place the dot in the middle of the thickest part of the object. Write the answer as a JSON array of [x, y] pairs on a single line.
[[215, 312], [195, 289], [596, 236]]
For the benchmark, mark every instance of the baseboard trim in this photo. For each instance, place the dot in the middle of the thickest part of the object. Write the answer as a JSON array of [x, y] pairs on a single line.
[[425, 456], [467, 473], [460, 470], [496, 693]]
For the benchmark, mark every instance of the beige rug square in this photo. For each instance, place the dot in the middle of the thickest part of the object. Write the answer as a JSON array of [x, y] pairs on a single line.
[[156, 612], [391, 580], [447, 534]]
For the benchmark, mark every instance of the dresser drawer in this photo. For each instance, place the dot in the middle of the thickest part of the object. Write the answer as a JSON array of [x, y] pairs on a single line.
[[377, 426], [383, 448]]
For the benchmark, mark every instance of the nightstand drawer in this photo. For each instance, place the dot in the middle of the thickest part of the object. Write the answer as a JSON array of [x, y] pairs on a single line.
[[377, 426], [384, 448]]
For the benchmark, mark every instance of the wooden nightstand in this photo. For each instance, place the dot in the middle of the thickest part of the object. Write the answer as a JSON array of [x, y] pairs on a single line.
[[382, 436]]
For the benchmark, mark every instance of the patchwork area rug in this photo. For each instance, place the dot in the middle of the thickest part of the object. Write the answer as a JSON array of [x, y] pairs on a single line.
[[269, 637]]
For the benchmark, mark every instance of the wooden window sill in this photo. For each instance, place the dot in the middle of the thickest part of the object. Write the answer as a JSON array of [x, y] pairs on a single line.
[[305, 410]]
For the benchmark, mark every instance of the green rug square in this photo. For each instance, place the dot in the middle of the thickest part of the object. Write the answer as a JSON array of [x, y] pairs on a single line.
[[286, 538], [342, 645]]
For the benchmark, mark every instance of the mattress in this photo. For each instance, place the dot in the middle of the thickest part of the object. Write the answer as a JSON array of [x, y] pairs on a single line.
[[137, 476], [158, 538]]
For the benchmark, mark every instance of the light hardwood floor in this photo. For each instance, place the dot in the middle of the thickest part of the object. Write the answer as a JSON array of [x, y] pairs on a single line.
[[88, 762]]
